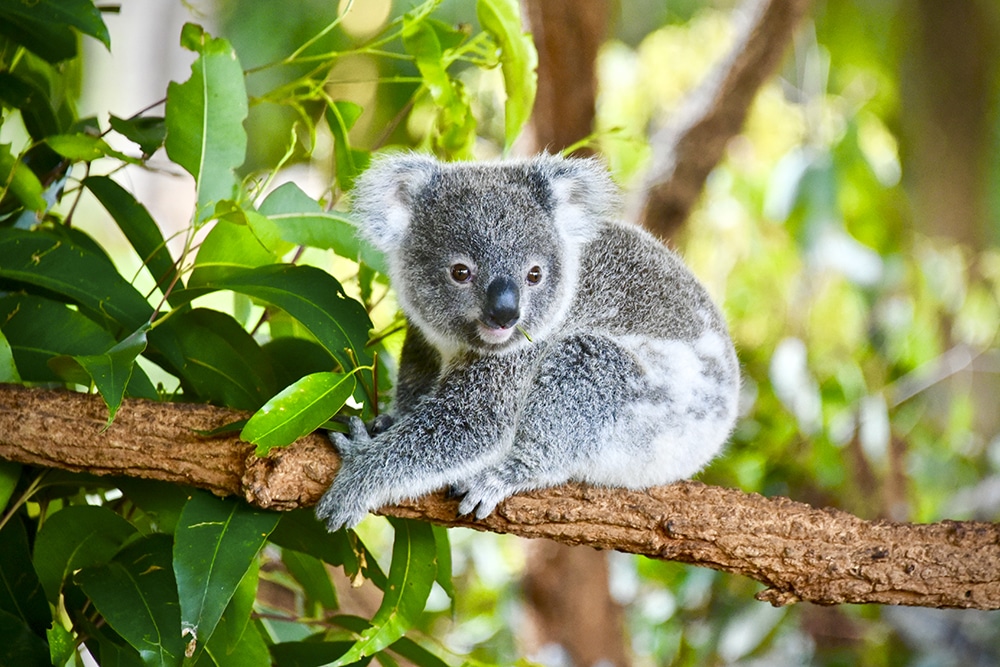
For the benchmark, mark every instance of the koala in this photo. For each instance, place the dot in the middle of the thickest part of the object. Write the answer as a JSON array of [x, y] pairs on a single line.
[[547, 341]]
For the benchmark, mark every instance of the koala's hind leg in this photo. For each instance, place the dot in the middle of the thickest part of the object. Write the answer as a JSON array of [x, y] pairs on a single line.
[[581, 386]]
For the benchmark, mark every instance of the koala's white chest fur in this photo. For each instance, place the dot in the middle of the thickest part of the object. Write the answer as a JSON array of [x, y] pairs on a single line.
[[560, 345]]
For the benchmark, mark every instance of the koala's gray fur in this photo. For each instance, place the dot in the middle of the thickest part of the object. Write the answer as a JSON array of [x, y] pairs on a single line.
[[629, 378]]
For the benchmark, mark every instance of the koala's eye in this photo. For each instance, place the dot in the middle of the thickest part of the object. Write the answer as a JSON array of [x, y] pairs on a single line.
[[534, 275], [460, 273]]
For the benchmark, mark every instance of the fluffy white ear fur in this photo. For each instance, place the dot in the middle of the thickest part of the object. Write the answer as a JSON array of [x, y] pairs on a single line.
[[383, 196], [585, 195]]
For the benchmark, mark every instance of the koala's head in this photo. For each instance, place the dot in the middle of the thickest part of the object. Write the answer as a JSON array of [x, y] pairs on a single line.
[[480, 251]]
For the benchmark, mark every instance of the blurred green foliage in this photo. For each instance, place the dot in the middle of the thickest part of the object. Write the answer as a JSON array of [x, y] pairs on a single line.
[[869, 349]]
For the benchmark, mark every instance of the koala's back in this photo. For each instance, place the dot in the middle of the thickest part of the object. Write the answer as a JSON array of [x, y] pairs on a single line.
[[667, 379], [630, 283]]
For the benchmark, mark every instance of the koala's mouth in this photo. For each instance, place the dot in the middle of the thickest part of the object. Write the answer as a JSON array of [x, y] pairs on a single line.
[[494, 335]]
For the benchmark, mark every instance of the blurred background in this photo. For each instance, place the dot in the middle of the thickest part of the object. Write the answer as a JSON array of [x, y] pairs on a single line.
[[850, 232]]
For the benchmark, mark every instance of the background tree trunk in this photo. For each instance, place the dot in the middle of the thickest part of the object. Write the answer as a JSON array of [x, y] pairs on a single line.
[[566, 589]]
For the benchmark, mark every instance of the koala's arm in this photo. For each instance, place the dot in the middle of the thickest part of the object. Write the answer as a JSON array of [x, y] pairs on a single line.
[[419, 368], [464, 425]]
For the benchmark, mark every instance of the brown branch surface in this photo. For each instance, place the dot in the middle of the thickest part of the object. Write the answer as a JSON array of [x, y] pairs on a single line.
[[798, 552], [687, 148]]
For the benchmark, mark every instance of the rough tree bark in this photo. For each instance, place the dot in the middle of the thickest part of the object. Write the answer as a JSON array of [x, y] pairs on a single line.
[[798, 552], [691, 143]]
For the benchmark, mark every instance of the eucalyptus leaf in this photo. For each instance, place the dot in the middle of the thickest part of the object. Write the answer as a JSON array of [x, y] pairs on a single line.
[[297, 410], [312, 575], [85, 148], [250, 649], [20, 180], [313, 297], [32, 100], [204, 118], [59, 264], [138, 226], [518, 62], [19, 645], [8, 369], [112, 371], [43, 26], [10, 473], [299, 530], [302, 221], [216, 359], [146, 131], [228, 246], [216, 542], [21, 593], [341, 117], [75, 537], [38, 329], [411, 577], [137, 595]]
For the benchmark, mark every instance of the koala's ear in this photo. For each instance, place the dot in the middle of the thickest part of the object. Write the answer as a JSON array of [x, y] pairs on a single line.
[[383, 197], [584, 195]]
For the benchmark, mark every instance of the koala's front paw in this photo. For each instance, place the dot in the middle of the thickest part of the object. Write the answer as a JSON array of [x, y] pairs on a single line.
[[339, 507], [355, 441]]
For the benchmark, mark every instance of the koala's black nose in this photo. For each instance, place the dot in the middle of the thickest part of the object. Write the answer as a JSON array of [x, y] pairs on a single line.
[[502, 303]]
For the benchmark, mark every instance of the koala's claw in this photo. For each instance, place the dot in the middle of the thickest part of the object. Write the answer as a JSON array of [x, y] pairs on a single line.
[[380, 424], [353, 442], [481, 497]]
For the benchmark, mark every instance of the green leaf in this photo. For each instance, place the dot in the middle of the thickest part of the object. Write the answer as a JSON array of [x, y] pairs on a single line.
[[313, 297], [17, 177], [75, 537], [216, 359], [19, 645], [309, 653], [62, 644], [411, 577], [228, 246], [455, 125], [21, 593], [85, 148], [137, 595], [404, 646], [10, 473], [299, 530], [43, 26], [293, 358], [161, 501], [251, 649], [38, 329], [8, 369], [60, 265], [444, 562], [518, 62], [138, 226], [237, 613], [317, 587], [302, 221], [146, 131], [32, 98], [215, 544], [341, 117], [297, 410], [112, 371], [204, 119]]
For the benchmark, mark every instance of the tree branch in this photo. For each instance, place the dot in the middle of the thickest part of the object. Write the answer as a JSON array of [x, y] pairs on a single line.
[[798, 552], [687, 148]]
